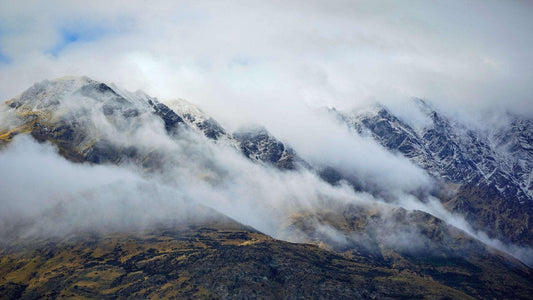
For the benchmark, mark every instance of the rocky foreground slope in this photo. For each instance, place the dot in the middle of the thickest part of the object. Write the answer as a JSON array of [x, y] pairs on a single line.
[[225, 260]]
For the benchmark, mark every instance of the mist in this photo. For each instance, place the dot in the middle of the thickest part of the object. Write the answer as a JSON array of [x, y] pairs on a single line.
[[45, 195], [48, 196]]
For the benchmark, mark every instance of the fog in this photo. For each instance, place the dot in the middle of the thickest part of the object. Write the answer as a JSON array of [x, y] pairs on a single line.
[[47, 196], [44, 195]]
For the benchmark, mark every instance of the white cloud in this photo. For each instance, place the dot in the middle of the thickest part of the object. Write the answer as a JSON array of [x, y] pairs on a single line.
[[463, 54]]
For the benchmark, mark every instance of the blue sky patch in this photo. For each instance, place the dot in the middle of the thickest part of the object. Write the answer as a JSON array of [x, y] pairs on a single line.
[[75, 33], [4, 59]]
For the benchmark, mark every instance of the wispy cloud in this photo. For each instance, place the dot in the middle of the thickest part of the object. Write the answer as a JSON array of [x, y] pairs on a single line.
[[222, 54]]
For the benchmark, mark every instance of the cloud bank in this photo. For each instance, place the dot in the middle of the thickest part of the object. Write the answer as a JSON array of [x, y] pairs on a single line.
[[254, 60], [48, 196]]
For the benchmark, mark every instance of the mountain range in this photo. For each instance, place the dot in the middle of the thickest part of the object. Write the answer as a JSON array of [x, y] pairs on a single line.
[[316, 241]]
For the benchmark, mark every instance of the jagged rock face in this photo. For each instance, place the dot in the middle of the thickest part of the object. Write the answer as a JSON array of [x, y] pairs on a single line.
[[171, 119], [516, 144], [500, 164], [256, 143], [198, 120], [209, 127], [259, 145]]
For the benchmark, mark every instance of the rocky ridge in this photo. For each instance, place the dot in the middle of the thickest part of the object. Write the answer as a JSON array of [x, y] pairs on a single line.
[[468, 159]]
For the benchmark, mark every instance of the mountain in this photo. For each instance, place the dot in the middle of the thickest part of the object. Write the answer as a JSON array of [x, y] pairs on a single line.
[[489, 171], [225, 260], [74, 128], [339, 247]]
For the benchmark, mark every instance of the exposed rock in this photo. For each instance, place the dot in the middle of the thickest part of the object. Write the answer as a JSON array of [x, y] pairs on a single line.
[[497, 164], [258, 144]]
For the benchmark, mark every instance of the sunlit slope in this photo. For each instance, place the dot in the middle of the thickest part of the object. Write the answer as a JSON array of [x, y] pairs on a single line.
[[224, 260]]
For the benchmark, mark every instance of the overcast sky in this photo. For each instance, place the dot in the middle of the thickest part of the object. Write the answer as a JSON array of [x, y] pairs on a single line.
[[241, 59]]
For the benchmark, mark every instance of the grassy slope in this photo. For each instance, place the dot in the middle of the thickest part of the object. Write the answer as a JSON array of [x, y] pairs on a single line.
[[218, 261]]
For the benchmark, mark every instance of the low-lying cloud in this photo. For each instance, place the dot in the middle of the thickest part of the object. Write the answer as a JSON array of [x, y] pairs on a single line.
[[46, 195]]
